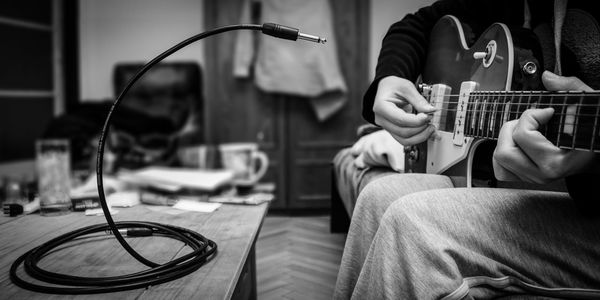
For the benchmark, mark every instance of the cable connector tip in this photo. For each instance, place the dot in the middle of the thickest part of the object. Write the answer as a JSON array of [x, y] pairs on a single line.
[[312, 38]]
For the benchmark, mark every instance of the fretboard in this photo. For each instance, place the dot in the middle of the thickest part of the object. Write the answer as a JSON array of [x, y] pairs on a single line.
[[574, 125]]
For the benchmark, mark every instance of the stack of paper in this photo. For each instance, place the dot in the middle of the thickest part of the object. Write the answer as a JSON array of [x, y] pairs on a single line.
[[177, 179]]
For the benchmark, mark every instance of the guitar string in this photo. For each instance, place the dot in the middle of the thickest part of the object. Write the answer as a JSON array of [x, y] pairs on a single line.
[[485, 96], [580, 122], [585, 105], [533, 93], [582, 125], [580, 115]]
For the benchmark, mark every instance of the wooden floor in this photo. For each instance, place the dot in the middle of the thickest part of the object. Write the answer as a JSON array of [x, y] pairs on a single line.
[[297, 258]]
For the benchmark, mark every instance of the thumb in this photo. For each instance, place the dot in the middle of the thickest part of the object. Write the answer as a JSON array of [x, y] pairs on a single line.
[[554, 82], [417, 100]]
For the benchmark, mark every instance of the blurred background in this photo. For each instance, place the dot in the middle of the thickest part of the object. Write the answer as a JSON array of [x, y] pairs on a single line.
[[63, 61]]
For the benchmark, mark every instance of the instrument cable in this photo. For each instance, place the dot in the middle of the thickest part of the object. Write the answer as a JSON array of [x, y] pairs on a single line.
[[203, 248]]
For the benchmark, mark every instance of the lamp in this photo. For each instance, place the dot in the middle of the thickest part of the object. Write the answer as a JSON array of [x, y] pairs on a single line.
[[203, 248]]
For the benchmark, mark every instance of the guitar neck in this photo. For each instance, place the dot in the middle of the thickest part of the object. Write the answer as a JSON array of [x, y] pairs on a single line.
[[574, 125]]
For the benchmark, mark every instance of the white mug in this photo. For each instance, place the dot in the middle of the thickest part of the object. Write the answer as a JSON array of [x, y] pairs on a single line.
[[247, 162]]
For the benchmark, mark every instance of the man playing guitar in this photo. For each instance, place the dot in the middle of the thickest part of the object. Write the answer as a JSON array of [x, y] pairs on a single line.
[[415, 236]]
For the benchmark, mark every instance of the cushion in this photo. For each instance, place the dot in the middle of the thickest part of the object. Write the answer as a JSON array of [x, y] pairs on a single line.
[[350, 180]]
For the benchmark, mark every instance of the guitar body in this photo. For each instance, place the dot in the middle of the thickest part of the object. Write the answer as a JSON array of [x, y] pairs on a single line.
[[450, 63]]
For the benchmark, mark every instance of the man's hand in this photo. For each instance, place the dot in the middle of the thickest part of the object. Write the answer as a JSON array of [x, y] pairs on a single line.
[[523, 153], [378, 149], [394, 99]]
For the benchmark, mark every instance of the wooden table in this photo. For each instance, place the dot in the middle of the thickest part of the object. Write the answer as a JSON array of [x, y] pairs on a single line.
[[231, 274]]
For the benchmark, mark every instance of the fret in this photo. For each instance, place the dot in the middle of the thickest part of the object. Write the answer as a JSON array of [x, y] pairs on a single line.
[[595, 131], [474, 115], [486, 115], [489, 116], [467, 114], [552, 130], [514, 114], [480, 129], [561, 128], [506, 111], [532, 102], [502, 117], [544, 102], [493, 119], [585, 119], [576, 118]]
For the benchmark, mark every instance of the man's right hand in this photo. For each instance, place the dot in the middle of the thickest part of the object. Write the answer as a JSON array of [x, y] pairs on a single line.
[[393, 103]]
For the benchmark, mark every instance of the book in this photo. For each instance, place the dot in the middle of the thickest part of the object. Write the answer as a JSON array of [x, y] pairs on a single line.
[[178, 180]]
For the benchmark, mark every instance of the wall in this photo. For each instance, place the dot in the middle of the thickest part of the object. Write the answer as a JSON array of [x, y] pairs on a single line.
[[383, 14], [113, 31], [120, 30]]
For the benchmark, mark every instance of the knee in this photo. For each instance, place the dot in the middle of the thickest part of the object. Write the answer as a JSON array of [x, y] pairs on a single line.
[[402, 213], [415, 210], [378, 192]]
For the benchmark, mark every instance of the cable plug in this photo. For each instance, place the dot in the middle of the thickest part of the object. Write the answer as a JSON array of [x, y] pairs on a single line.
[[12, 209], [289, 33]]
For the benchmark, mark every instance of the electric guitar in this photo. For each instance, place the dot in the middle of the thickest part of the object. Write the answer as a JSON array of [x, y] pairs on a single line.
[[479, 88]]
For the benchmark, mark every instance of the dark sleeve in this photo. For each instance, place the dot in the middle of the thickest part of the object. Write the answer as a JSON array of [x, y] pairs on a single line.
[[404, 47], [585, 192]]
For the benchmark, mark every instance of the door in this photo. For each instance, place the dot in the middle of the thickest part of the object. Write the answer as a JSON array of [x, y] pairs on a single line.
[[31, 77], [300, 148]]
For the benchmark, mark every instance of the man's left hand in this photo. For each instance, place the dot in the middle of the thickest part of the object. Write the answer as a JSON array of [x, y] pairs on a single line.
[[524, 154]]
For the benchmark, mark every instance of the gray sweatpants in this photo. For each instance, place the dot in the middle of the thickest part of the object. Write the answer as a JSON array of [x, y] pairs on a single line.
[[414, 236]]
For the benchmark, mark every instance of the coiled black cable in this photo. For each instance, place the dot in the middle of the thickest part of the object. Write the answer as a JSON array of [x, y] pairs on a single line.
[[203, 248]]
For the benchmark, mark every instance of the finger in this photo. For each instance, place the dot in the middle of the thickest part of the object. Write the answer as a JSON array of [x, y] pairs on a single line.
[[554, 82], [415, 139], [407, 132], [529, 139], [358, 147], [374, 156], [510, 157], [402, 89], [394, 115], [396, 160], [412, 96], [359, 162]]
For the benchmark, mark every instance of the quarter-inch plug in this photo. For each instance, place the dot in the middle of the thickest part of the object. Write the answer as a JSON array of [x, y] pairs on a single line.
[[289, 33]]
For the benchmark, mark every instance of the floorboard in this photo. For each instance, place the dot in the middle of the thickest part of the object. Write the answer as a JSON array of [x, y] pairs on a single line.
[[297, 258]]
